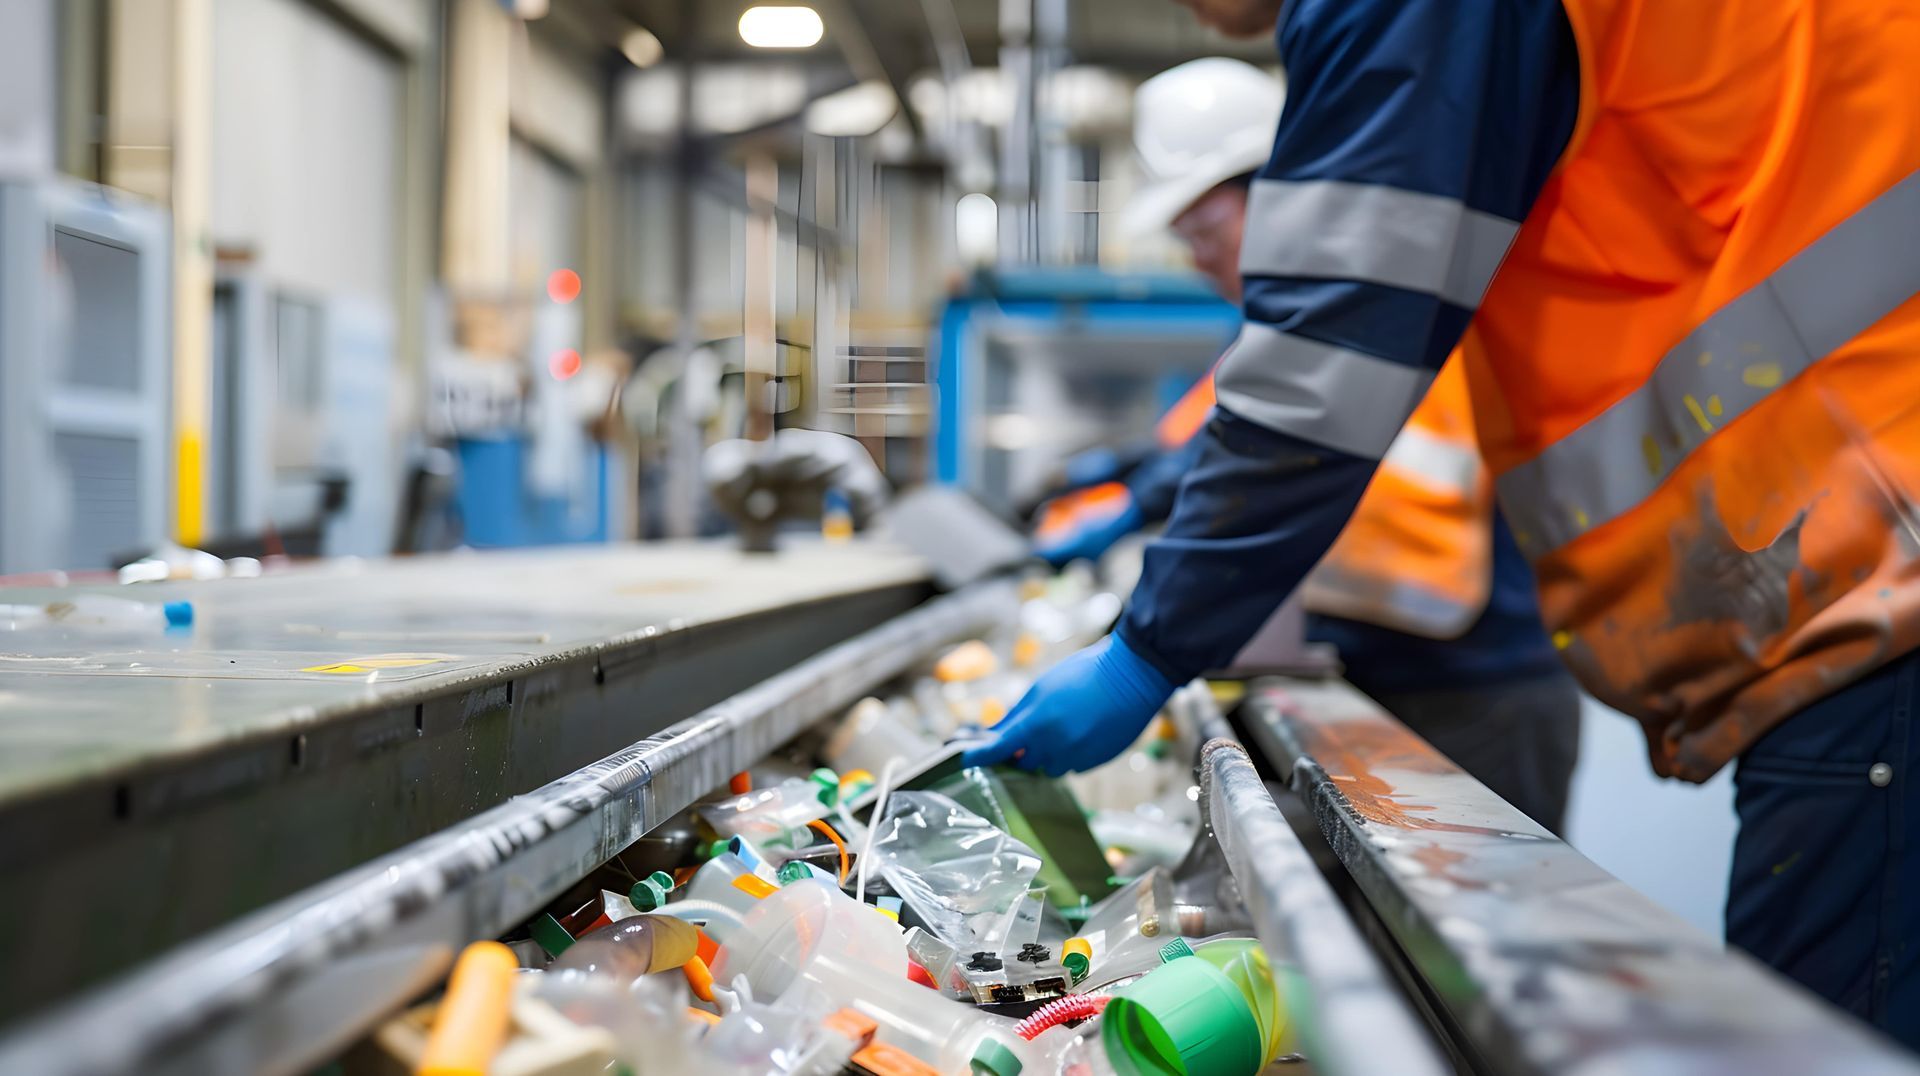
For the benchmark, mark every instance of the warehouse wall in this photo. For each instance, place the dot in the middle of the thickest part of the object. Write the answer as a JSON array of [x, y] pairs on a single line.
[[307, 180], [27, 104]]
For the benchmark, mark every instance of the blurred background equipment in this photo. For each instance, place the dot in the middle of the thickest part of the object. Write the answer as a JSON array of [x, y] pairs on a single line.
[[83, 372]]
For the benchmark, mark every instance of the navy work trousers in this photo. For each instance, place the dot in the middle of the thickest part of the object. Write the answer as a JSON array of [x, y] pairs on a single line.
[[1825, 885]]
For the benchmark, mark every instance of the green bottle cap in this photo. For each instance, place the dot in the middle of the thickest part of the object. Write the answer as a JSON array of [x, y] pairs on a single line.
[[829, 783], [794, 871], [716, 848], [648, 894], [994, 1058], [1183, 1016], [1077, 965], [550, 935]]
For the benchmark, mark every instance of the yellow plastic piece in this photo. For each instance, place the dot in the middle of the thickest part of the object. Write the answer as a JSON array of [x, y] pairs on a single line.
[[1243, 962], [1076, 945], [969, 661], [1027, 649], [991, 711], [471, 1024], [699, 978], [755, 886]]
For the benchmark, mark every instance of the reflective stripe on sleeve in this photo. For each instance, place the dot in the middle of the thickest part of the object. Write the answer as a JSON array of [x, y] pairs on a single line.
[[1440, 465], [1331, 396], [1374, 234], [1829, 293]]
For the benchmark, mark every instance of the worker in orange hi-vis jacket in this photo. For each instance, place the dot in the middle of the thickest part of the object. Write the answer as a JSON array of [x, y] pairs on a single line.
[[1425, 596], [1675, 243]]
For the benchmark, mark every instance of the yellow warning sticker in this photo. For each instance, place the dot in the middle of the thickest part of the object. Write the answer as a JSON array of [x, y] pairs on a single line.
[[379, 661]]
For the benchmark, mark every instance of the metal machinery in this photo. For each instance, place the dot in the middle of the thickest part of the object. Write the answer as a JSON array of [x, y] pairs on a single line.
[[300, 444], [83, 378], [1103, 352], [239, 850]]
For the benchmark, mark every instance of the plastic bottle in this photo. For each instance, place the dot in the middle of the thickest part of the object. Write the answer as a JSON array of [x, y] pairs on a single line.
[[99, 610], [1213, 1010], [727, 880], [635, 946], [872, 735], [774, 817]]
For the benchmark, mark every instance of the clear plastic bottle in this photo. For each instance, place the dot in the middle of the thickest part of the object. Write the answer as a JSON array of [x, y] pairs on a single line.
[[635, 946], [729, 881]]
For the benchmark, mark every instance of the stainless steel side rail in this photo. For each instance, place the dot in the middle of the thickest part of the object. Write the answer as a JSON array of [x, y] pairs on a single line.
[[1538, 960], [282, 989], [1355, 1019]]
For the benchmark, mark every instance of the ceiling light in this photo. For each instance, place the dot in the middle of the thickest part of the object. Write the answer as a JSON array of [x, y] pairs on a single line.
[[640, 47], [781, 27]]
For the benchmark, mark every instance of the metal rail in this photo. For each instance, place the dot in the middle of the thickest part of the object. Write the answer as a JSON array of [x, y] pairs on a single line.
[[1355, 1019], [292, 984], [1538, 960]]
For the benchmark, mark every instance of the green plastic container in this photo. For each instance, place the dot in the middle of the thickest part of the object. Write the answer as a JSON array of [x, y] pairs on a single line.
[[1183, 1018]]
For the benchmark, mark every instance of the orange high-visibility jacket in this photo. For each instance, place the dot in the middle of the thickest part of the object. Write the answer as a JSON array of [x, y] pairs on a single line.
[[1417, 556], [1697, 374]]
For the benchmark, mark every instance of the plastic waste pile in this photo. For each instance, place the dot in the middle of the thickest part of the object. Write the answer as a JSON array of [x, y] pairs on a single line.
[[889, 913]]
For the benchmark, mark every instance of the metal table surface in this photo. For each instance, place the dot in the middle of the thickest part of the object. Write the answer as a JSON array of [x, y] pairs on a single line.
[[155, 785], [1538, 960], [283, 988]]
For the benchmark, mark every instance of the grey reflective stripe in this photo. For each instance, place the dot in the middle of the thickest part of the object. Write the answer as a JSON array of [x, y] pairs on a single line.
[[1432, 462], [1328, 395], [1389, 603], [1381, 235], [1824, 296]]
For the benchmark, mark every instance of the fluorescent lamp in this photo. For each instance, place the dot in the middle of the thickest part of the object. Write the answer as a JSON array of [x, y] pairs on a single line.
[[781, 27]]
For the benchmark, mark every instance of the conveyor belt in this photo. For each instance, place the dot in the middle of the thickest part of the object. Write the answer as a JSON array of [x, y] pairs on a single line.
[[1534, 959], [282, 989], [1470, 928], [153, 787]]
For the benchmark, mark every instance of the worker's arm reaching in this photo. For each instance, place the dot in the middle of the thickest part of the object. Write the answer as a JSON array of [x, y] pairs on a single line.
[[1416, 136], [1144, 498]]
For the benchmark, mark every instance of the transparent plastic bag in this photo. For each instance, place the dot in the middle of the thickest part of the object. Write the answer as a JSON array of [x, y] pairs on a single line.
[[957, 871]]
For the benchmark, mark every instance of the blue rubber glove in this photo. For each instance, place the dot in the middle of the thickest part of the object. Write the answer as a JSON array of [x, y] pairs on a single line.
[[1092, 467], [1084, 711], [1088, 540]]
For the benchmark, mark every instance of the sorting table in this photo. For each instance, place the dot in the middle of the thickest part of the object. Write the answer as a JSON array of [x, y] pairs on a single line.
[[155, 784]]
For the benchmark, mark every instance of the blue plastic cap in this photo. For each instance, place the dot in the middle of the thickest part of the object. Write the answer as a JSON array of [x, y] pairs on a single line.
[[179, 614]]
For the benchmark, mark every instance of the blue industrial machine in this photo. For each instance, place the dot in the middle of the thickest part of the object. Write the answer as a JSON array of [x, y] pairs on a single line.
[[1033, 365]]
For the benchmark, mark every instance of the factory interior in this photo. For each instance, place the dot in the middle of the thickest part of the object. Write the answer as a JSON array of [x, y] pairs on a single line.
[[956, 537]]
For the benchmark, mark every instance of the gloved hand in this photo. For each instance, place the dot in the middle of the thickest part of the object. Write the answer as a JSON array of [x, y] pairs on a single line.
[[1092, 467], [1084, 711], [1088, 534]]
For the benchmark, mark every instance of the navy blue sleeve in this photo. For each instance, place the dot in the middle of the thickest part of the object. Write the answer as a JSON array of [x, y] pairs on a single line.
[[1415, 138], [1156, 481]]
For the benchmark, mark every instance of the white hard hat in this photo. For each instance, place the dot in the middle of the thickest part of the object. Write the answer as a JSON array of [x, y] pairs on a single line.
[[1196, 126]]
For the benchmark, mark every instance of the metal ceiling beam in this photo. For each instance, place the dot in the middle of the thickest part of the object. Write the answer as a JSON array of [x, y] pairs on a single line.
[[849, 19]]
